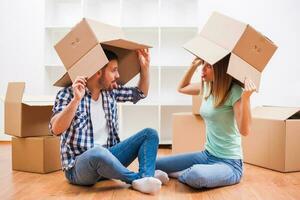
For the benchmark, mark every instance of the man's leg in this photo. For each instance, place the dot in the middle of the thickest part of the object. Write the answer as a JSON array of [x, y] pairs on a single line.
[[99, 162], [143, 145]]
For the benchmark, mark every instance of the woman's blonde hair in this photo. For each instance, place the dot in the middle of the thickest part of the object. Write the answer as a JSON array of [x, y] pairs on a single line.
[[220, 87]]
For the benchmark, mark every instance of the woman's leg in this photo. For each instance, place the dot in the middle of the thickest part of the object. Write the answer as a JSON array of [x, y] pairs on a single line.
[[210, 175]]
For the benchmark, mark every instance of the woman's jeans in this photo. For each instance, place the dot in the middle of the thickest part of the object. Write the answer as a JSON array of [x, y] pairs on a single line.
[[100, 163], [202, 170]]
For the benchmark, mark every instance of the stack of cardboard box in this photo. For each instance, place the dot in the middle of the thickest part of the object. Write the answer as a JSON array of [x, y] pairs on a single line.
[[34, 149]]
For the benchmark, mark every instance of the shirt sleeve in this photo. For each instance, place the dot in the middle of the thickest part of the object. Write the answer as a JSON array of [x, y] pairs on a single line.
[[235, 94], [132, 94], [63, 98]]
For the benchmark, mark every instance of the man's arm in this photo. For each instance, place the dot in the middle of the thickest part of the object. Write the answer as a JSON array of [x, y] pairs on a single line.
[[61, 121]]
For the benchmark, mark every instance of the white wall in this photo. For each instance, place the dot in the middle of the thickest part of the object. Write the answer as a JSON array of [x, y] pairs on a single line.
[[22, 33], [21, 46]]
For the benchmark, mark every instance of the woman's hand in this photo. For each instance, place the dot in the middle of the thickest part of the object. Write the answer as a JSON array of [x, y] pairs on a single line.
[[249, 88], [197, 62]]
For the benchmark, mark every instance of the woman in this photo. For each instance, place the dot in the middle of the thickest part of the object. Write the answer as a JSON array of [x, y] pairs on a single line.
[[226, 111]]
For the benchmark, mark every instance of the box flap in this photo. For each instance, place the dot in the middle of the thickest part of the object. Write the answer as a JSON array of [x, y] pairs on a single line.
[[126, 44], [75, 44], [223, 30], [14, 92], [104, 32], [239, 69], [13, 108], [128, 63], [89, 64], [64, 81], [255, 48], [205, 49], [38, 100], [273, 112]]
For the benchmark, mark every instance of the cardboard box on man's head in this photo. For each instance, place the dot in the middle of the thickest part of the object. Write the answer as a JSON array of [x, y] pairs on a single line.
[[26, 116], [81, 51], [249, 50]]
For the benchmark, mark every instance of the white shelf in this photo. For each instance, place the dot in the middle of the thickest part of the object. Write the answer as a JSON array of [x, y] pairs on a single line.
[[139, 13], [170, 79], [146, 35], [171, 42], [52, 36], [136, 118], [62, 12], [106, 11], [153, 95], [166, 120], [179, 13]]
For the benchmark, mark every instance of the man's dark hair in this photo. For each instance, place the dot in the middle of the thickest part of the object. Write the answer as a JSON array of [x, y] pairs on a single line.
[[110, 55]]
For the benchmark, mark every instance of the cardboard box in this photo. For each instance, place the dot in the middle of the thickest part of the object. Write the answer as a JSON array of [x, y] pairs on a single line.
[[249, 50], [274, 139], [188, 133], [196, 102], [81, 51], [36, 154], [26, 116]]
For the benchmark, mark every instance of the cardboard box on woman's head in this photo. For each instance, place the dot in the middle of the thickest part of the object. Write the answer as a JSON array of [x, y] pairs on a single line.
[[249, 50], [81, 51]]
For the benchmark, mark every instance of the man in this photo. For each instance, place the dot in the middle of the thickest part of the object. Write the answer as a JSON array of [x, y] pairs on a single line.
[[85, 115]]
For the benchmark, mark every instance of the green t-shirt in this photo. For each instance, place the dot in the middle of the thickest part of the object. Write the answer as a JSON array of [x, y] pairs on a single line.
[[223, 138]]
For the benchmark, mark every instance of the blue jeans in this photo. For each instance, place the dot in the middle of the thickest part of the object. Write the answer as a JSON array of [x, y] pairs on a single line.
[[202, 170], [100, 163]]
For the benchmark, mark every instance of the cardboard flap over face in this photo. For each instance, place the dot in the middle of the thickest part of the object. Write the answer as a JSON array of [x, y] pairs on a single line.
[[64, 81], [274, 112], [89, 64], [205, 49], [239, 69]]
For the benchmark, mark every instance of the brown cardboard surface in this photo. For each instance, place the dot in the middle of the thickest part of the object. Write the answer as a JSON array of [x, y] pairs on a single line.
[[23, 119], [188, 133], [78, 54], [273, 140], [223, 35], [36, 154], [196, 101]]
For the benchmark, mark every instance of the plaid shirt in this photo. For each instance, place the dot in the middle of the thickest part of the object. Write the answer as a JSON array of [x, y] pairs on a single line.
[[79, 136]]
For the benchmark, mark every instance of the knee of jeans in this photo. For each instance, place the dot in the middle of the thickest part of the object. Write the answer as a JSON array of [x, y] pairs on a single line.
[[151, 133], [196, 178], [100, 155]]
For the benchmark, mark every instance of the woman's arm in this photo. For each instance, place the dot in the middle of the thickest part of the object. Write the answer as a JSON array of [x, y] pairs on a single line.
[[185, 86], [242, 108]]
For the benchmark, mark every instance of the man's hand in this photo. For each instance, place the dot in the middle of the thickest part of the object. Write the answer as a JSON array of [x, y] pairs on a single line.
[[144, 58], [79, 87]]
